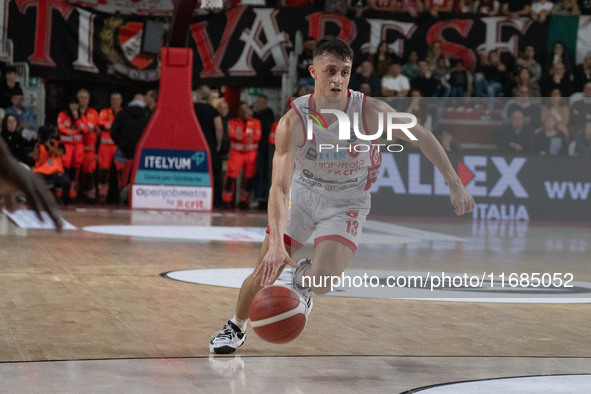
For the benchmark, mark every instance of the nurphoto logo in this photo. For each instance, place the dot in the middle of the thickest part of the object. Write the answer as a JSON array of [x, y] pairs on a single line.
[[345, 126]]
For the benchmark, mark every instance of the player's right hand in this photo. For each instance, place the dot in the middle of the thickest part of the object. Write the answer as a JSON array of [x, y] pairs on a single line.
[[275, 259]]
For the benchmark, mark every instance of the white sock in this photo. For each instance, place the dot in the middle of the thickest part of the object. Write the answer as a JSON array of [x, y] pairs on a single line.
[[241, 324]]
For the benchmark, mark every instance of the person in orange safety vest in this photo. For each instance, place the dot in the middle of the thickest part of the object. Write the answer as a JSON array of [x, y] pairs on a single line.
[[245, 133], [107, 147], [48, 154], [71, 128], [90, 119]]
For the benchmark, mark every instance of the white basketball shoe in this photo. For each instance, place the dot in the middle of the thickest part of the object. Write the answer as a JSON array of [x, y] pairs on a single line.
[[297, 284], [227, 340]]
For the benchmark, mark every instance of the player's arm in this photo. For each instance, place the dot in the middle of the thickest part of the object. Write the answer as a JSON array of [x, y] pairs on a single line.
[[278, 206], [15, 177], [462, 201]]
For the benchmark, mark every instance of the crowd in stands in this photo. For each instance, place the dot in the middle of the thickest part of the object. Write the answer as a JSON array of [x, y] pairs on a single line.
[[538, 10], [496, 88]]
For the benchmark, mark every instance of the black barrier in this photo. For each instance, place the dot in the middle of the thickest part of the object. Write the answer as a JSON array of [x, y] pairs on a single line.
[[505, 187]]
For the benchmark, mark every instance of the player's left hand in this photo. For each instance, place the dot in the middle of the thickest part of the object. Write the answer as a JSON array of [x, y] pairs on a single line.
[[462, 200]]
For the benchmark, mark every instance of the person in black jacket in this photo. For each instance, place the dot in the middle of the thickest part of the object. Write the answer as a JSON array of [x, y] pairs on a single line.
[[211, 125], [126, 131], [129, 126], [516, 137], [18, 145], [8, 87], [262, 181]]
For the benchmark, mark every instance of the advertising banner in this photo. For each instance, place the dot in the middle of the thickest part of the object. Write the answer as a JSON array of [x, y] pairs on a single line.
[[243, 45], [178, 198], [504, 186]]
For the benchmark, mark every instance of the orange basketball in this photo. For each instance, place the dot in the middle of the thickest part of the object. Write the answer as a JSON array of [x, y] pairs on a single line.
[[277, 315]]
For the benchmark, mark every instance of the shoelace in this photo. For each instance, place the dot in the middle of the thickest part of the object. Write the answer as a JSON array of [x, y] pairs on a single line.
[[227, 332]]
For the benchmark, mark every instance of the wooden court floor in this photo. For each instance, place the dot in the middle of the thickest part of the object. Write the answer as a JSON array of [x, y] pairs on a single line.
[[80, 295]]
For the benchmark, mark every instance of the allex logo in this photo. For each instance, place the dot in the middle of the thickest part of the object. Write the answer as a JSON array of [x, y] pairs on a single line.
[[345, 126]]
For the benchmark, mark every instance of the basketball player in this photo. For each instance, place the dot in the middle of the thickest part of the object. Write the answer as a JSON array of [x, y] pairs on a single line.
[[15, 177], [323, 202]]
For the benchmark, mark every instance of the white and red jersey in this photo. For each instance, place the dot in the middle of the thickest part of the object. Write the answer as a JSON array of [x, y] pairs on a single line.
[[335, 171]]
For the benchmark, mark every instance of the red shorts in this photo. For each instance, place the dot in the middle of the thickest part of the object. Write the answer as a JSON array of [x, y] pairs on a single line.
[[105, 156], [74, 155], [89, 164], [242, 159]]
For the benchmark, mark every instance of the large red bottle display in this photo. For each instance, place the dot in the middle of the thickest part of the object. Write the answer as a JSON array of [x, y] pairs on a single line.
[[172, 166]]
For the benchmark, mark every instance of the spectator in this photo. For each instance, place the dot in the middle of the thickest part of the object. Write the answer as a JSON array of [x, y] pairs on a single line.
[[514, 9], [556, 106], [358, 7], [434, 54], [440, 73], [486, 7], [224, 109], [435, 7], [581, 146], [8, 87], [262, 181], [419, 108], [126, 132], [525, 78], [549, 140], [245, 134], [383, 5], [365, 74], [107, 147], [90, 120], [382, 59], [71, 128], [413, 7], [25, 114], [566, 7], [495, 77], [211, 125], [557, 79], [394, 84], [559, 56], [425, 82], [460, 80], [540, 10], [339, 6], [527, 59], [411, 67], [150, 98], [48, 154], [449, 143], [523, 103], [305, 60], [582, 73], [580, 110], [516, 137], [18, 146]]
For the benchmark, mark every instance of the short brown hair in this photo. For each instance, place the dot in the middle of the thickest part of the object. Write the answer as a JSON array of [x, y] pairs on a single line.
[[330, 45]]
